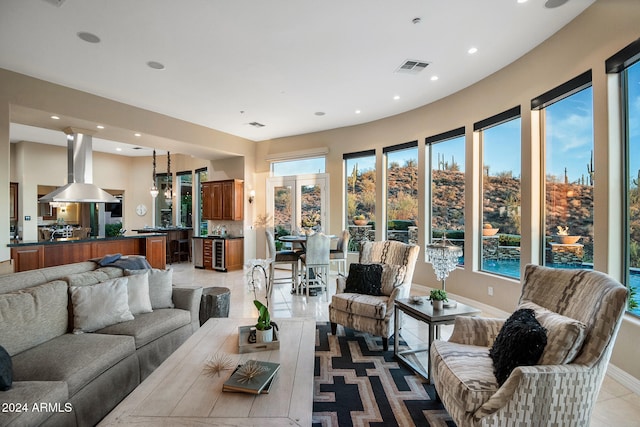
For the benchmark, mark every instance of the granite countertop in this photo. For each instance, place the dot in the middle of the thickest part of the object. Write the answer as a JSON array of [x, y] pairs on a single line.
[[71, 240], [160, 229]]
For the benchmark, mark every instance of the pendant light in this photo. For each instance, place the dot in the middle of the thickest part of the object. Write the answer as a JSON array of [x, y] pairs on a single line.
[[154, 190], [168, 192]]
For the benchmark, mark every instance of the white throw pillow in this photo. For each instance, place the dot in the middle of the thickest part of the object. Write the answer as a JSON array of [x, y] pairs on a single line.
[[160, 286], [138, 287], [100, 305]]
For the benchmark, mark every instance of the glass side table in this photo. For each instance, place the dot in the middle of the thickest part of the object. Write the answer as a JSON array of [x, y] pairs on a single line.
[[434, 318]]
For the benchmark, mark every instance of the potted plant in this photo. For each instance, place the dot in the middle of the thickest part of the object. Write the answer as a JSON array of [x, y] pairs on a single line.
[[360, 220], [438, 297], [264, 325]]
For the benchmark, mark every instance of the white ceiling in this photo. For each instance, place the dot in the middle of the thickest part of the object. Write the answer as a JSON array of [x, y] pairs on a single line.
[[276, 62]]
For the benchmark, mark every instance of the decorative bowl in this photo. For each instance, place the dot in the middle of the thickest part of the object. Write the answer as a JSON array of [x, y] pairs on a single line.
[[490, 231], [566, 240], [360, 221]]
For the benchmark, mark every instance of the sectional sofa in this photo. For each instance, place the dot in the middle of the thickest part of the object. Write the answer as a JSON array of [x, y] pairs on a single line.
[[81, 337]]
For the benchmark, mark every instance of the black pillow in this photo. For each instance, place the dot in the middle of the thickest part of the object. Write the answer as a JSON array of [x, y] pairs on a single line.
[[520, 342], [364, 279], [6, 370]]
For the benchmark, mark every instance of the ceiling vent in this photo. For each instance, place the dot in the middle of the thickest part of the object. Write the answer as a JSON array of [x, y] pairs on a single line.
[[412, 66], [256, 125]]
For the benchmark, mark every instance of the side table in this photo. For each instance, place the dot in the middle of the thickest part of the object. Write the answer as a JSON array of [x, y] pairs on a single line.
[[215, 302], [434, 318]]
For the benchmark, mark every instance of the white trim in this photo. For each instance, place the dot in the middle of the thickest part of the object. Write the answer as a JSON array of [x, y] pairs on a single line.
[[624, 378], [300, 154]]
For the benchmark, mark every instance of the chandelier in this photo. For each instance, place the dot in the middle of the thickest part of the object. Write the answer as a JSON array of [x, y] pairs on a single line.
[[443, 256], [154, 190]]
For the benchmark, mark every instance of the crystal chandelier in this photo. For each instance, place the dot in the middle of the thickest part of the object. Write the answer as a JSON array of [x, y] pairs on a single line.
[[154, 190], [443, 256]]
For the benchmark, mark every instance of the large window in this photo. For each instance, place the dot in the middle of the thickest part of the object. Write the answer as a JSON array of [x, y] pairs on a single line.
[[567, 129], [360, 191], [402, 190], [627, 64], [501, 147], [184, 197], [447, 154], [298, 166]]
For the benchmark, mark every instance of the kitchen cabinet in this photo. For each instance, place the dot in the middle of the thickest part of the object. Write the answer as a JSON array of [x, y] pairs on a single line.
[[223, 200]]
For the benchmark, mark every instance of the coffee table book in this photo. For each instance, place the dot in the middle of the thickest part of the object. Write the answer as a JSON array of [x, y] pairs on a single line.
[[255, 386]]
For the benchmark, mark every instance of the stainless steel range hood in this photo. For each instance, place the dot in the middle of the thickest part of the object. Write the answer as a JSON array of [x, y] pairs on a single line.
[[80, 187]]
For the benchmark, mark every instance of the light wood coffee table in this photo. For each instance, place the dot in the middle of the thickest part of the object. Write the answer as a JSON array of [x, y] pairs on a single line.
[[180, 393]]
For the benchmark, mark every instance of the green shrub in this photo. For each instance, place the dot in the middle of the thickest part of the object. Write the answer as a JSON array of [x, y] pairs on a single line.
[[112, 230], [508, 240], [451, 234], [400, 224]]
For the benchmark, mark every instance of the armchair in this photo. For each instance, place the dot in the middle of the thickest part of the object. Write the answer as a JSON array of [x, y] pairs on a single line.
[[563, 387], [369, 313]]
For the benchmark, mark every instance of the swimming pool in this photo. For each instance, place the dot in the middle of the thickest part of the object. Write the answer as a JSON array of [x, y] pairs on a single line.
[[512, 269]]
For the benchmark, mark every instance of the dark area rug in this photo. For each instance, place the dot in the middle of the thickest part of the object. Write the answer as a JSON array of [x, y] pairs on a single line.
[[358, 384]]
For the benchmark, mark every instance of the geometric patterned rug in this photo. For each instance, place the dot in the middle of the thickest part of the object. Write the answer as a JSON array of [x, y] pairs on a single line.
[[357, 384]]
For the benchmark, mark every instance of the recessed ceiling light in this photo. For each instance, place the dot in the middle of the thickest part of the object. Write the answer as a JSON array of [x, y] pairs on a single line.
[[319, 113], [522, 1], [100, 127], [434, 78], [472, 50], [55, 117], [357, 111], [137, 134], [550, 4], [396, 97], [155, 65], [88, 37], [118, 149]]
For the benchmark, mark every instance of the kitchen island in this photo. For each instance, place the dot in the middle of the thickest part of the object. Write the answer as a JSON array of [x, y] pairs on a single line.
[[178, 241], [34, 255]]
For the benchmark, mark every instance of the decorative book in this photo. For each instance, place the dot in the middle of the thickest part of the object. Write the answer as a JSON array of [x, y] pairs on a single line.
[[254, 376]]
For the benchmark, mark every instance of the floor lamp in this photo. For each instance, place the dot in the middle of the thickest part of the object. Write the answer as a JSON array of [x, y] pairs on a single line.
[[443, 257]]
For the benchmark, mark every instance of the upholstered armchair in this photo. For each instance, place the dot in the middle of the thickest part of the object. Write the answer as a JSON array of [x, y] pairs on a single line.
[[374, 313], [581, 311]]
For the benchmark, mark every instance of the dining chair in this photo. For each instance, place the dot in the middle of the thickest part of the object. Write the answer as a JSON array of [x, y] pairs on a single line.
[[339, 254], [316, 262], [281, 257]]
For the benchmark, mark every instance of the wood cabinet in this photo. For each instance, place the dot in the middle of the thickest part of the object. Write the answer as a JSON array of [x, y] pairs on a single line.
[[27, 257], [223, 254], [223, 200]]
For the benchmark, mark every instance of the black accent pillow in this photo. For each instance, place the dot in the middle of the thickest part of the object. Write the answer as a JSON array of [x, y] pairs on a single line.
[[6, 370], [520, 342], [364, 279]]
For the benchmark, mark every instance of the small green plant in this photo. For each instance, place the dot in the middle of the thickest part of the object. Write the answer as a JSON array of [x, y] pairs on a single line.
[[632, 303], [264, 320], [438, 295]]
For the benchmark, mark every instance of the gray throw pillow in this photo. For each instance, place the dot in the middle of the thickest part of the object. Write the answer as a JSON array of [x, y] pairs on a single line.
[[160, 286]]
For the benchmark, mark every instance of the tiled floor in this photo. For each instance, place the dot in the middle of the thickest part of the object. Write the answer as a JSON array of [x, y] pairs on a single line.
[[616, 405]]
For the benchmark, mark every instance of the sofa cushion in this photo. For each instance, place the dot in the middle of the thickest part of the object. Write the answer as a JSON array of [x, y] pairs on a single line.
[[160, 286], [32, 316], [520, 342], [364, 279], [29, 393], [86, 278], [100, 305], [363, 305], [138, 289], [564, 335], [392, 277], [467, 370], [76, 359], [148, 327], [112, 272]]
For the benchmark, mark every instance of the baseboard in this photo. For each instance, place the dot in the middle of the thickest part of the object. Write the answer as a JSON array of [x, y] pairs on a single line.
[[624, 378]]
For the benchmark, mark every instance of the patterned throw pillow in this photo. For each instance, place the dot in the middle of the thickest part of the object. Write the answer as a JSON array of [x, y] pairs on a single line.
[[520, 342], [6, 370], [364, 279]]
